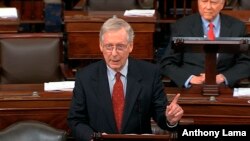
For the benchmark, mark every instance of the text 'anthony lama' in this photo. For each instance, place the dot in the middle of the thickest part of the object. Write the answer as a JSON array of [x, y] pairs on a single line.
[[215, 134]]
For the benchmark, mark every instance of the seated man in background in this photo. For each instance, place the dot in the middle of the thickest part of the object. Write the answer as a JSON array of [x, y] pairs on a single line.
[[119, 95], [186, 69]]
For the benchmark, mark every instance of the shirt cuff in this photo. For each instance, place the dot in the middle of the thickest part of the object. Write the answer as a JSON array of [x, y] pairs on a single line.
[[226, 82], [187, 84], [171, 126]]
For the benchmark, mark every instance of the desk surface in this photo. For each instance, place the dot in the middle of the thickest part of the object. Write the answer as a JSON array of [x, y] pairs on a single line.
[[101, 16], [31, 92], [223, 109]]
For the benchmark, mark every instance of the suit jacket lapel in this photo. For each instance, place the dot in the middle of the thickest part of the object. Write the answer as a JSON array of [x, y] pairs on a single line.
[[197, 30], [133, 90], [104, 96], [225, 29]]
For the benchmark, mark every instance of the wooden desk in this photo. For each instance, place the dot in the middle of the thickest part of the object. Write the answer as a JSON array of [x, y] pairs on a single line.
[[29, 102], [203, 110], [83, 34], [9, 24], [20, 102], [122, 137]]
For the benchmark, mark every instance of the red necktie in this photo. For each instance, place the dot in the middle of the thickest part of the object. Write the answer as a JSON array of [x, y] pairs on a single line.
[[118, 100], [210, 32]]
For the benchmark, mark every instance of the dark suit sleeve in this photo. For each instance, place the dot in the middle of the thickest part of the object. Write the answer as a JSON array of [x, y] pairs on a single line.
[[172, 64], [241, 67], [160, 102], [77, 117]]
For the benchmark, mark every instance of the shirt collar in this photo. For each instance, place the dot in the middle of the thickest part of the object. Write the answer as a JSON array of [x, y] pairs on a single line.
[[124, 71], [215, 22]]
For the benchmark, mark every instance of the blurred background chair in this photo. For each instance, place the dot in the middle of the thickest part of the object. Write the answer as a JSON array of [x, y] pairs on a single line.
[[30, 58], [237, 5], [32, 131], [244, 4]]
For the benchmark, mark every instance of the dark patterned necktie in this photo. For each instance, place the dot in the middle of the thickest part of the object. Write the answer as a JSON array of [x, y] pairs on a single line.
[[118, 100]]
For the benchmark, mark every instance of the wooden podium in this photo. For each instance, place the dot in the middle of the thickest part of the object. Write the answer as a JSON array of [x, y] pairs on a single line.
[[211, 48], [134, 137]]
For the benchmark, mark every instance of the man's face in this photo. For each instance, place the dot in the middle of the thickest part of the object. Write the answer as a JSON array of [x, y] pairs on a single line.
[[209, 9], [116, 48]]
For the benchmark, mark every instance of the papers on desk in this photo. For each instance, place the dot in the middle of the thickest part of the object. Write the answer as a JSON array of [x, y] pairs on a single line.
[[8, 13], [139, 12], [59, 86], [241, 92]]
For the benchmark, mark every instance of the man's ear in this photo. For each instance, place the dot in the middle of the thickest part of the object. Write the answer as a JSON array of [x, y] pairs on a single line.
[[100, 46], [131, 46]]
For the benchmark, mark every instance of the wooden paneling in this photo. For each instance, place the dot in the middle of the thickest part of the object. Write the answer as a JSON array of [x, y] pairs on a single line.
[[11, 27], [30, 11]]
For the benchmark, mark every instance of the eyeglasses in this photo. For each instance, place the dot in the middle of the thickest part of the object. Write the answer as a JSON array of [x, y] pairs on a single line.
[[117, 47]]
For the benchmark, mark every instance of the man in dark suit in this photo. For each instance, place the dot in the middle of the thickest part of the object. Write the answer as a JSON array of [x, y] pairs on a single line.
[[186, 69], [144, 98]]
